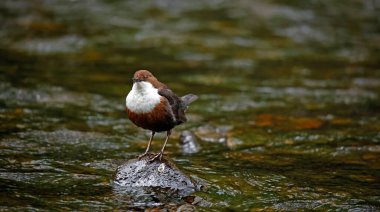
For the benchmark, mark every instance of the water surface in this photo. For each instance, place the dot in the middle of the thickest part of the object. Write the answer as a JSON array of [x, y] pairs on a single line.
[[288, 115]]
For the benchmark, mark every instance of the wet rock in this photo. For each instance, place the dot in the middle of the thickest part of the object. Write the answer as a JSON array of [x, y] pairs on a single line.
[[189, 143], [186, 207], [222, 134], [159, 177], [214, 134], [232, 142]]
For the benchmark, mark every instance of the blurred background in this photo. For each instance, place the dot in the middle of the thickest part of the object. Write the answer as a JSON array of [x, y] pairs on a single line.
[[288, 115]]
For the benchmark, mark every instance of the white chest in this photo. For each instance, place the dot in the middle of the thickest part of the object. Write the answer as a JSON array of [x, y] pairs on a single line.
[[143, 98]]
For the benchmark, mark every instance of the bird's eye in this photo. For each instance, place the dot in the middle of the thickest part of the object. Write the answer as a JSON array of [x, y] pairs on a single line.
[[135, 79]]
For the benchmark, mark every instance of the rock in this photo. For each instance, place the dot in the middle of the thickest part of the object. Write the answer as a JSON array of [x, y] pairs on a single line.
[[189, 143], [161, 177], [214, 134]]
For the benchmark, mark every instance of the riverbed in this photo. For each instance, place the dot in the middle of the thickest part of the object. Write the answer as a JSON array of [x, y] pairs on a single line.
[[287, 117]]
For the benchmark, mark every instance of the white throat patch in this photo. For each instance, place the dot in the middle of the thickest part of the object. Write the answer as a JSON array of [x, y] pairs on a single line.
[[142, 98]]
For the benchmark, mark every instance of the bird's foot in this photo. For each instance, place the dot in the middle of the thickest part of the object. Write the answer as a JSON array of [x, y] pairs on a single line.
[[142, 155], [156, 156]]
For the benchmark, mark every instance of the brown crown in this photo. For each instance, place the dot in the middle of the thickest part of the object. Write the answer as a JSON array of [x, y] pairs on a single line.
[[145, 75]]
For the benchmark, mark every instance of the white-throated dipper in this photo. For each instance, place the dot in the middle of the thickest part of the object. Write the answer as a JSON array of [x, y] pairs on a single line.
[[153, 106]]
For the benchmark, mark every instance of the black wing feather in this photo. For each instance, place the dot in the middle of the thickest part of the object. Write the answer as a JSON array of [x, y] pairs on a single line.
[[175, 103]]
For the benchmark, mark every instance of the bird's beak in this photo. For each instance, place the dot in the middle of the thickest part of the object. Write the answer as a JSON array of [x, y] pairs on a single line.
[[134, 79]]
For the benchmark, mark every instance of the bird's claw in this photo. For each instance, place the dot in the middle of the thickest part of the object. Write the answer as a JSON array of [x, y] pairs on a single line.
[[158, 155]]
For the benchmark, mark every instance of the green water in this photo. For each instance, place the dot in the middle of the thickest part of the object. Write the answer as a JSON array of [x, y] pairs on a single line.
[[288, 116]]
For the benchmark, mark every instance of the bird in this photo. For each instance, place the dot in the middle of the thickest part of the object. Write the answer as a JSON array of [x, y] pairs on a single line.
[[151, 105]]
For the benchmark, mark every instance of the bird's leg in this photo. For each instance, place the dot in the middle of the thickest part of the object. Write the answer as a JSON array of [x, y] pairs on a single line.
[[148, 147], [161, 153]]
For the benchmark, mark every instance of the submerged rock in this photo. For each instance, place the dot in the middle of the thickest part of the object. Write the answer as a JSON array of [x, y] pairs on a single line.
[[157, 176], [189, 143], [213, 134]]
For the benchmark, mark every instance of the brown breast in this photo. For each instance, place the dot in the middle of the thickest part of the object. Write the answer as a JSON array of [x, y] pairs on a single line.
[[161, 118]]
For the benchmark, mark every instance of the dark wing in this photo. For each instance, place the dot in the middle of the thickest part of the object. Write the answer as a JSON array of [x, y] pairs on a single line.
[[175, 103], [169, 95]]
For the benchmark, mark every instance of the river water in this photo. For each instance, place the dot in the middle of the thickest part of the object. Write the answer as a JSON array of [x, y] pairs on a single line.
[[288, 116]]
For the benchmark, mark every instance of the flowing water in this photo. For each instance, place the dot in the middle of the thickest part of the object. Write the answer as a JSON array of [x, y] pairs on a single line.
[[288, 116]]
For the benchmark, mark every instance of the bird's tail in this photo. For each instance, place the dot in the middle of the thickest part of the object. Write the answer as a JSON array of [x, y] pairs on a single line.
[[185, 101], [188, 99]]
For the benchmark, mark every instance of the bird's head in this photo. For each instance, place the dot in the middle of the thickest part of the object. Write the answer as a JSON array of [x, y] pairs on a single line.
[[143, 76]]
